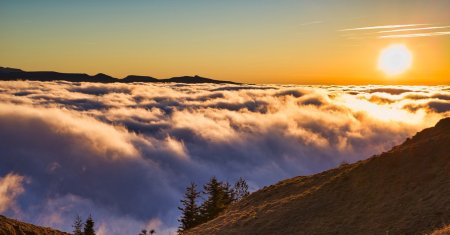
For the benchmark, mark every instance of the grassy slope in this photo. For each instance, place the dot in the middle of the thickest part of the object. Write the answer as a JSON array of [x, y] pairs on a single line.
[[442, 231], [14, 227], [403, 191]]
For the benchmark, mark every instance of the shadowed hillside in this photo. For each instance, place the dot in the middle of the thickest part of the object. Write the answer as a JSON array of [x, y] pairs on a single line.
[[14, 227], [403, 191]]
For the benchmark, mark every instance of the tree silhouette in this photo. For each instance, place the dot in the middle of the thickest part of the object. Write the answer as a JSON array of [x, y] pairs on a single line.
[[189, 210], [229, 193], [77, 224], [144, 232], [240, 189], [89, 226], [218, 195], [216, 201]]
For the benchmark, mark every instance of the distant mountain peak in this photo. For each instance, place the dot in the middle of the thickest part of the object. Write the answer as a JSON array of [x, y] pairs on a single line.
[[101, 75], [11, 74], [139, 78], [9, 70]]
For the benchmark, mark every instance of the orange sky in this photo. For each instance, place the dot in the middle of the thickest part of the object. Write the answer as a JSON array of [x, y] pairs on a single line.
[[298, 42]]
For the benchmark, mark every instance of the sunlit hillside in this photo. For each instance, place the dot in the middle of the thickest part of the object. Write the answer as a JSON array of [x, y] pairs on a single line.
[[402, 191], [15, 227]]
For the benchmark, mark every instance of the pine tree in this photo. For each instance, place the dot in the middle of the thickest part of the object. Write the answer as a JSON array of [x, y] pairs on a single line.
[[217, 200], [189, 210], [89, 226], [229, 193], [240, 189], [143, 232], [77, 224]]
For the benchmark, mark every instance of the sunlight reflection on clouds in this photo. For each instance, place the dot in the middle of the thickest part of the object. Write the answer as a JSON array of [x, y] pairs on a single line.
[[139, 145]]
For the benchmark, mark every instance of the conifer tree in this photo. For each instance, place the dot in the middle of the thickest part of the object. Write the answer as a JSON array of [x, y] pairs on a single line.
[[229, 193], [89, 226], [240, 189], [216, 201], [218, 195], [144, 232], [77, 224], [189, 210]]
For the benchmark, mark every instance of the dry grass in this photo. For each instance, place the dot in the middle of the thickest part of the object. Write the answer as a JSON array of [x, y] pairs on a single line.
[[443, 231], [403, 191], [14, 227]]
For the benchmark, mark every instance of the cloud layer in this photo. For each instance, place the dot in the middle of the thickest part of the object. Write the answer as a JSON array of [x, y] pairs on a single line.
[[125, 152]]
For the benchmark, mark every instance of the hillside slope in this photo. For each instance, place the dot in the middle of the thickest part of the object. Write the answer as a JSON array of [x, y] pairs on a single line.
[[14, 227], [442, 231], [403, 191]]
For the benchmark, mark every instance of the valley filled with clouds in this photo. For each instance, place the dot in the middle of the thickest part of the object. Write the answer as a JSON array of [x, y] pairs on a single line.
[[125, 152]]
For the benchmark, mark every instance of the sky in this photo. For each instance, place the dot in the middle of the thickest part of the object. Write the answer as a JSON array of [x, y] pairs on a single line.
[[264, 41], [125, 153]]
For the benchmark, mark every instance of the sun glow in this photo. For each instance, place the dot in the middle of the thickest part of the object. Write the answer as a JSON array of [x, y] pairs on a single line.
[[395, 59], [386, 112]]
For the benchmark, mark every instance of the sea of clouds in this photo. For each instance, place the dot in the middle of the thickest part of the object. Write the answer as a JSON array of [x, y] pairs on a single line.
[[125, 152]]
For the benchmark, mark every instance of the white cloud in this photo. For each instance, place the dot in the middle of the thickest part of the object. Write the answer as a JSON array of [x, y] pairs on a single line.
[[383, 27], [416, 35], [83, 132], [11, 186], [413, 29], [125, 152]]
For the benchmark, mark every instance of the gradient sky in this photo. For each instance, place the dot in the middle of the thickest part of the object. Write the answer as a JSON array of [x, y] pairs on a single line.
[[302, 42]]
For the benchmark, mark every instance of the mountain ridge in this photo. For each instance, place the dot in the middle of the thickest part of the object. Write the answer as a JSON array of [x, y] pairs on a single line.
[[402, 191], [12, 74]]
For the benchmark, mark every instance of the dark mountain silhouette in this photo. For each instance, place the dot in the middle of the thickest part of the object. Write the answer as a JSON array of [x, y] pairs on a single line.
[[188, 79], [103, 77], [11, 74], [137, 78], [14, 227], [403, 191]]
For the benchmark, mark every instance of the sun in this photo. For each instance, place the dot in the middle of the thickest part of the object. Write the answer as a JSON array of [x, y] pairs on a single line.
[[395, 59]]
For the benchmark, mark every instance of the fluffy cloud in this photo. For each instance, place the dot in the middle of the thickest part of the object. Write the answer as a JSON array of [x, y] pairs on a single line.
[[11, 186], [125, 152]]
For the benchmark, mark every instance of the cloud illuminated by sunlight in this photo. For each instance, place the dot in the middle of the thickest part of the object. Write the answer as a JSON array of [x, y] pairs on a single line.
[[413, 29], [383, 27], [392, 112], [415, 35], [161, 137], [11, 186]]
